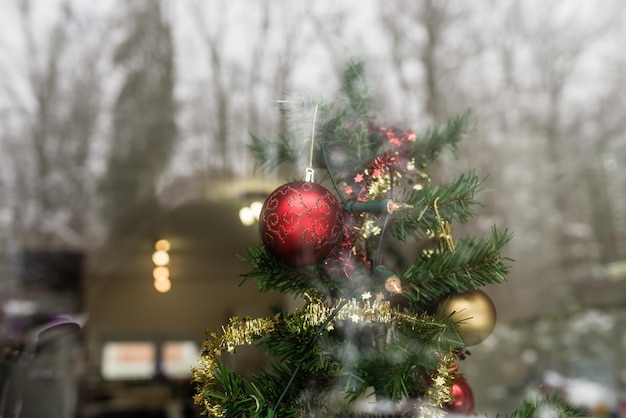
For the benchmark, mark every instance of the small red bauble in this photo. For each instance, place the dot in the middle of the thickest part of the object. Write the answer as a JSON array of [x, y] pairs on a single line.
[[301, 222], [463, 403]]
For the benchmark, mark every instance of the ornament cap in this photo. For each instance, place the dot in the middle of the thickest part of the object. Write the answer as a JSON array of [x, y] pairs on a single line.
[[309, 175]]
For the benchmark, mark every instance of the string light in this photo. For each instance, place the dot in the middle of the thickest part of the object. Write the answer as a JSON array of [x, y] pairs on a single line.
[[377, 207], [161, 271], [162, 245], [160, 258], [163, 286], [393, 284]]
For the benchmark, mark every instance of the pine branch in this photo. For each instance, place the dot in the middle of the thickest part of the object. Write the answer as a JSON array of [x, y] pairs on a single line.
[[349, 142], [356, 89], [272, 274], [446, 135], [234, 393], [290, 339], [399, 370], [455, 200], [270, 154], [344, 357], [256, 396], [476, 262], [549, 405]]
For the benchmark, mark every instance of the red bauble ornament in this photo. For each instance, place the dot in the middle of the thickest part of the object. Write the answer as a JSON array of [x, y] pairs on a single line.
[[463, 403], [301, 222]]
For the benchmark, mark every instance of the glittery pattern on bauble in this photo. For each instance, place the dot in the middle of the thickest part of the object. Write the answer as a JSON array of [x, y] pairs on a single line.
[[301, 222]]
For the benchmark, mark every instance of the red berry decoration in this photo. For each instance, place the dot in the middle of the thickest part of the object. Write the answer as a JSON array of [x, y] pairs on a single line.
[[301, 222], [463, 403]]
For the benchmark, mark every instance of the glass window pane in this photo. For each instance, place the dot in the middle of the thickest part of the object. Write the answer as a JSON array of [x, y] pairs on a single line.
[[128, 360], [179, 357]]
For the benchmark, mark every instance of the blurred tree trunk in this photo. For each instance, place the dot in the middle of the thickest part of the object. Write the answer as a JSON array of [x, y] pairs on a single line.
[[144, 126], [239, 91], [433, 18], [50, 131], [259, 55], [569, 150], [602, 218], [416, 33], [213, 29]]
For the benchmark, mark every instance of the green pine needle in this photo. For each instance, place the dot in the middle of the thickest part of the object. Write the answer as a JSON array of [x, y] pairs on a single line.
[[270, 154], [476, 262], [454, 200], [549, 405], [446, 135]]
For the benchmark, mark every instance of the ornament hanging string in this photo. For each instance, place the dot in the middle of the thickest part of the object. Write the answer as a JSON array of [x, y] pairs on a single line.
[[310, 173]]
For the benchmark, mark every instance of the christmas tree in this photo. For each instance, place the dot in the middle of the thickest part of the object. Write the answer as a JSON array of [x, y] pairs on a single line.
[[382, 330]]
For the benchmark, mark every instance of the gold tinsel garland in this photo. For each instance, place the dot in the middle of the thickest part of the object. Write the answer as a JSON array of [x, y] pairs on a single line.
[[248, 330]]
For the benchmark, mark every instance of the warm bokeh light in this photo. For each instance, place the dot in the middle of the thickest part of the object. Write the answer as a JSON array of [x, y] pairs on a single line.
[[160, 258], [162, 245], [163, 286], [246, 216], [256, 207], [161, 273]]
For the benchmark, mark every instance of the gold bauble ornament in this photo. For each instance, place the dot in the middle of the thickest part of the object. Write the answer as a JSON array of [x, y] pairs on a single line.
[[477, 313]]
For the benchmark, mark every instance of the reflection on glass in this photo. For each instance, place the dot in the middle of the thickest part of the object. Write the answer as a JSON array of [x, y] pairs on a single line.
[[179, 357], [134, 360]]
